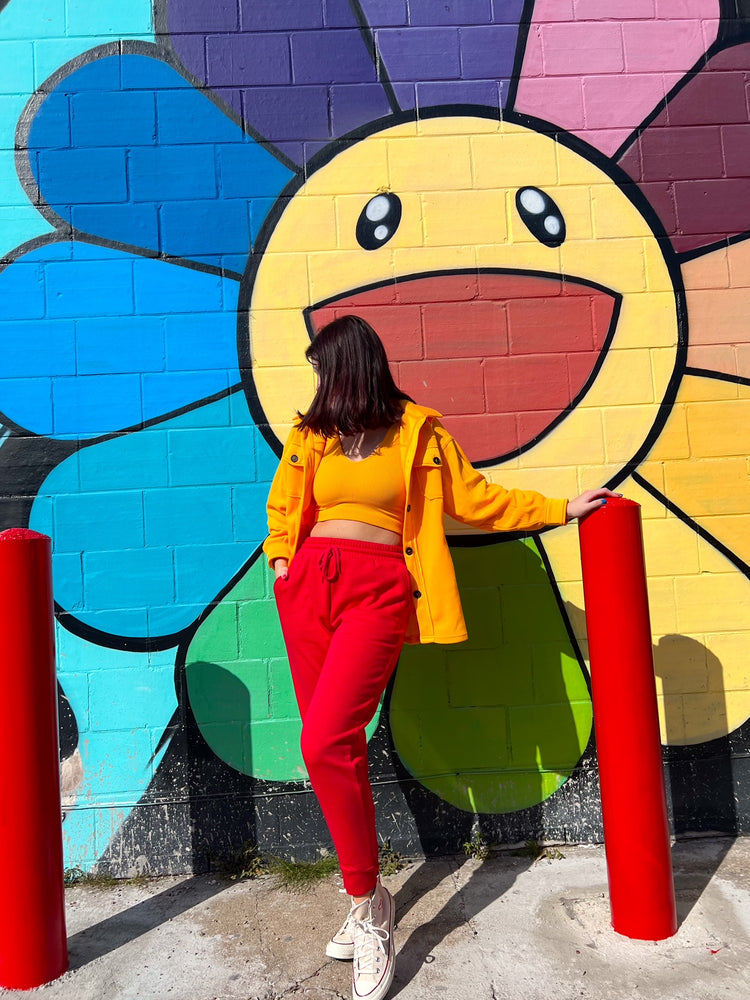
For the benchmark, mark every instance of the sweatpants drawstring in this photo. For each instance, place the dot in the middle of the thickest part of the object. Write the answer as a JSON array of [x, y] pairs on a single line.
[[330, 563]]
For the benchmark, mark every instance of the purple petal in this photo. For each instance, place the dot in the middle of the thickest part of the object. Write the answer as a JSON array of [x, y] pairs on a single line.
[[280, 67], [460, 52]]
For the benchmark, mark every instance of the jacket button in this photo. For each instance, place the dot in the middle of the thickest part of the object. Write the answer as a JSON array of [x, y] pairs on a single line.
[[436, 460], [417, 593], [409, 551], [408, 508], [294, 458]]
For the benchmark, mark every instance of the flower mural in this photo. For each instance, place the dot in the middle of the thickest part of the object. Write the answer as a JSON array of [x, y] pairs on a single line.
[[553, 266]]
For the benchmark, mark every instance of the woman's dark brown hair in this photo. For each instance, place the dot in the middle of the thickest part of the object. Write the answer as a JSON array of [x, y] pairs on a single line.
[[356, 390]]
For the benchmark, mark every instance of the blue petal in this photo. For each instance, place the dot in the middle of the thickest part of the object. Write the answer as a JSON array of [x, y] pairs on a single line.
[[149, 527], [95, 340], [127, 149]]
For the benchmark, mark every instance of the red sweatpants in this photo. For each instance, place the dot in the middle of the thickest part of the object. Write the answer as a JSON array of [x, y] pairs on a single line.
[[343, 609]]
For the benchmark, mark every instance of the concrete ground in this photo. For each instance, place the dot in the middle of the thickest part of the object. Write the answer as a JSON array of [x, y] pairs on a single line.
[[508, 927]]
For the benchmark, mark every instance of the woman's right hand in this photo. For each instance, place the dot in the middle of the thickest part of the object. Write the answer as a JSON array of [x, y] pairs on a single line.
[[589, 501], [281, 568]]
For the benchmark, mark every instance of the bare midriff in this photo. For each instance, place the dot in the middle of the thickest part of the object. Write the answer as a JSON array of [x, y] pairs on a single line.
[[359, 530]]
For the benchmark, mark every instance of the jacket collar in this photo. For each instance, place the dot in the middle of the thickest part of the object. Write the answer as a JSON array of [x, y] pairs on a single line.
[[416, 415]]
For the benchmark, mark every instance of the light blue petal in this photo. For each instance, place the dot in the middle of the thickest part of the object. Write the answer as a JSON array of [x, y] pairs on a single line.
[[123, 702], [148, 528]]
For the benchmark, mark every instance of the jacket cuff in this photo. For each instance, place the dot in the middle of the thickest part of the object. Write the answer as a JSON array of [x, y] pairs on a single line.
[[275, 549], [556, 511]]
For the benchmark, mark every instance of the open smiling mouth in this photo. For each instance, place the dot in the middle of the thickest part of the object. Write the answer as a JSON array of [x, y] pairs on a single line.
[[504, 355]]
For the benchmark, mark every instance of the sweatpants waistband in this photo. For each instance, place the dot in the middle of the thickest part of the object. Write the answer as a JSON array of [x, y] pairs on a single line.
[[320, 543]]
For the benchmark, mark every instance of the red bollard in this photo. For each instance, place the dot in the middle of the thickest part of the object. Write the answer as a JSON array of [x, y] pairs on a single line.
[[33, 943], [631, 775]]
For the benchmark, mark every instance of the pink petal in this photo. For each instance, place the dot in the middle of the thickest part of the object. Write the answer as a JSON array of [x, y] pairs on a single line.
[[598, 67]]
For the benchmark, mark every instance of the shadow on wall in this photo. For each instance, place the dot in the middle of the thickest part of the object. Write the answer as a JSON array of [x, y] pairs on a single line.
[[701, 785], [700, 778], [703, 788]]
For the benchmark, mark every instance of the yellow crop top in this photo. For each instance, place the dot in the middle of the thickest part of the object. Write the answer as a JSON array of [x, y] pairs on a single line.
[[370, 490]]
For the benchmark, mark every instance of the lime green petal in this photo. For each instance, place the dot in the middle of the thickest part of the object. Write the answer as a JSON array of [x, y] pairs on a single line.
[[498, 723]]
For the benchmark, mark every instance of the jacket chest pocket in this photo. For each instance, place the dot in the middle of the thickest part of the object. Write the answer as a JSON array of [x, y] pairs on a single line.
[[293, 474], [428, 470]]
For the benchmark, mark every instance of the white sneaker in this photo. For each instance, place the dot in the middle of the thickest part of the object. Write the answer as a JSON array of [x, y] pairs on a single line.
[[374, 952], [341, 945]]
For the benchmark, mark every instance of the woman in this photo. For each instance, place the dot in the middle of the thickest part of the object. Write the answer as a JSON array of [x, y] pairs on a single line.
[[357, 544]]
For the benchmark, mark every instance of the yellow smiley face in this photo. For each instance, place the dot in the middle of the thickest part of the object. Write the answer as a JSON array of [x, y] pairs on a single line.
[[515, 285]]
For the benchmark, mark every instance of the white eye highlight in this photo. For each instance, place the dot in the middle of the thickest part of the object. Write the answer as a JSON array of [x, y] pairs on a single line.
[[380, 232], [378, 208], [532, 200], [552, 225]]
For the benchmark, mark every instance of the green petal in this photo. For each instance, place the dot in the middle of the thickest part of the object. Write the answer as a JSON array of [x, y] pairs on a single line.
[[239, 684]]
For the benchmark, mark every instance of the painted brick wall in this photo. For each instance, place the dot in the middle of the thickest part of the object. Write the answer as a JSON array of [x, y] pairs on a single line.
[[187, 191]]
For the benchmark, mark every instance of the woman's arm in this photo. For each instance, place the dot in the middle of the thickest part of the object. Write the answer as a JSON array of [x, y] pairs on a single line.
[[277, 546], [474, 501]]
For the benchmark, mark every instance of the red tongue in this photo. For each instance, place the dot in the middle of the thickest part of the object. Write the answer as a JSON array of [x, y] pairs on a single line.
[[502, 356]]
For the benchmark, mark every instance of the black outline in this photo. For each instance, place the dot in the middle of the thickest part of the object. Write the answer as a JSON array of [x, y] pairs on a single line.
[[522, 272], [687, 255], [566, 618], [672, 507], [619, 177], [717, 375], [155, 421], [368, 37], [524, 26], [734, 24]]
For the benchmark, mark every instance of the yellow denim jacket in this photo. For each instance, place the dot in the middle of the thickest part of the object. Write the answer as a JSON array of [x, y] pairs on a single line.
[[439, 480]]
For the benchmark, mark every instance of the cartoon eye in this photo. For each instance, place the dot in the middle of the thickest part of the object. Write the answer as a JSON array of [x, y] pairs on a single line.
[[541, 216], [378, 221]]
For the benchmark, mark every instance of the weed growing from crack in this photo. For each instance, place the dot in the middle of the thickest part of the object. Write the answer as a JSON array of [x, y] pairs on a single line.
[[244, 863], [477, 847], [391, 861], [538, 852], [302, 875], [98, 880], [247, 862]]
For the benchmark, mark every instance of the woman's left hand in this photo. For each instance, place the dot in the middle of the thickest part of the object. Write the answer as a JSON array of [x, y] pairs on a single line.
[[589, 501]]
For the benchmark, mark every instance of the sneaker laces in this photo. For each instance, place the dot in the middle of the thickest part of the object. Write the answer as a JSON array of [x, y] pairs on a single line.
[[349, 918], [366, 951]]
